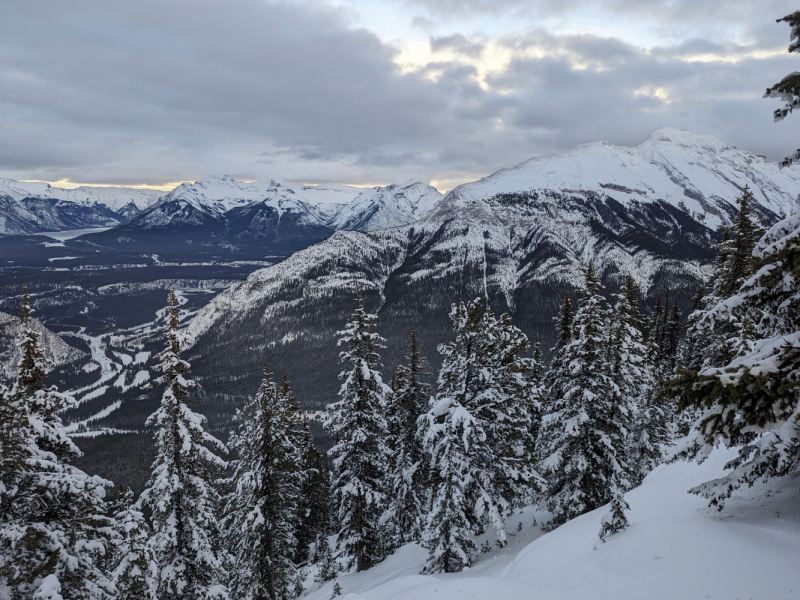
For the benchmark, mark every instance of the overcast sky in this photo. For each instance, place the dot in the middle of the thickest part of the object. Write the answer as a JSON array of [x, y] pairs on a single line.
[[365, 92]]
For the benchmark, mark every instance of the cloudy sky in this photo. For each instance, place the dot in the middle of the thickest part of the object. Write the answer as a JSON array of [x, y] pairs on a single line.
[[365, 92]]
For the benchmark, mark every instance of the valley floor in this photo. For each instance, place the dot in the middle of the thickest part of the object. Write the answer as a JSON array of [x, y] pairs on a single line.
[[676, 548]]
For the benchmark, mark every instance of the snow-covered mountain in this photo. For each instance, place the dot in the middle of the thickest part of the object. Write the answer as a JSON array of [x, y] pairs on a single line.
[[520, 238], [387, 207], [272, 214], [696, 173], [34, 207], [56, 350]]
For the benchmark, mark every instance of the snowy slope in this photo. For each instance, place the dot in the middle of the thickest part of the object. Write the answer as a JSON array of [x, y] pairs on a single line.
[[386, 207], [696, 173], [675, 549], [56, 350]]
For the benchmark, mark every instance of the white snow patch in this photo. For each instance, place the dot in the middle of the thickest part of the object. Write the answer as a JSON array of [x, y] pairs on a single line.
[[676, 548]]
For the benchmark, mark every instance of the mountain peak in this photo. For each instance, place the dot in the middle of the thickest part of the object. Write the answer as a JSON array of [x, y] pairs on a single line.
[[696, 173]]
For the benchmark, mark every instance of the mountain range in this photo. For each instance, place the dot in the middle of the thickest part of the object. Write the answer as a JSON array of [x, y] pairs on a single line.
[[521, 238], [271, 216], [217, 212]]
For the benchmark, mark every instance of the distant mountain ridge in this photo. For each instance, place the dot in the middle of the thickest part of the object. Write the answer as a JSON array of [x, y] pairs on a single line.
[[36, 207], [270, 215]]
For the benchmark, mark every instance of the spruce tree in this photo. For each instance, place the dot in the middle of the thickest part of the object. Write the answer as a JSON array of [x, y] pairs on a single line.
[[327, 568], [313, 502], [564, 330], [408, 477], [261, 511], [585, 430], [485, 384], [136, 573], [448, 432], [53, 530], [614, 520], [788, 88], [180, 496], [633, 373], [711, 341], [752, 401], [359, 455]]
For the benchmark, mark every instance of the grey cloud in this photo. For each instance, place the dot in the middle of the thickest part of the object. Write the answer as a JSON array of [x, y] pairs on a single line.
[[458, 44], [153, 92]]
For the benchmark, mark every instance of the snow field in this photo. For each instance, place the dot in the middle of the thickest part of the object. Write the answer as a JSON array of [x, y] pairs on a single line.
[[676, 548]]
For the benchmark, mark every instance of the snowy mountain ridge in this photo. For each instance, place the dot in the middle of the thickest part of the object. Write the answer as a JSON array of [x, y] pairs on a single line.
[[335, 206], [112, 197], [696, 173], [34, 207], [56, 350]]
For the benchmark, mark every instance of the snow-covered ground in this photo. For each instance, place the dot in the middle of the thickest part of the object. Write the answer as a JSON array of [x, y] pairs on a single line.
[[677, 548], [69, 234]]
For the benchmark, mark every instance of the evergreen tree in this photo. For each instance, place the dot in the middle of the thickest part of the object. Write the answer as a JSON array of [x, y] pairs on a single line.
[[180, 496], [53, 529], [136, 574], [614, 520], [752, 401], [313, 503], [359, 455], [408, 477], [713, 341], [689, 354], [448, 432], [741, 263], [267, 479], [634, 376], [788, 88], [564, 330], [483, 389], [327, 568], [585, 430]]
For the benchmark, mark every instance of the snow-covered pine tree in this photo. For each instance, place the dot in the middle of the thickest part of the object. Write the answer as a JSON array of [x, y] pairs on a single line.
[[689, 354], [315, 498], [448, 431], [484, 376], [135, 575], [181, 496], [630, 367], [633, 372], [261, 511], [585, 430], [313, 501], [713, 341], [753, 400], [788, 88], [357, 425], [53, 530], [327, 567], [740, 263], [553, 376], [614, 520], [408, 478]]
